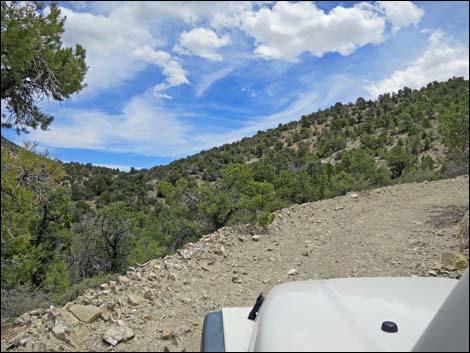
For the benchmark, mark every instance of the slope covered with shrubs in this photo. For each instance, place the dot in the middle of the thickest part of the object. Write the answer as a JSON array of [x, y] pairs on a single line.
[[64, 223]]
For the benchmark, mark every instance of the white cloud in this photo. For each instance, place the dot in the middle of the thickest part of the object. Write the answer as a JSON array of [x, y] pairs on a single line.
[[401, 13], [175, 75], [112, 31], [208, 80], [202, 42], [289, 29], [108, 43], [292, 28], [230, 14], [142, 127], [441, 60]]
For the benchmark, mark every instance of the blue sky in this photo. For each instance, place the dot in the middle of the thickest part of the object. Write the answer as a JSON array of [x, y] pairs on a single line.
[[167, 80]]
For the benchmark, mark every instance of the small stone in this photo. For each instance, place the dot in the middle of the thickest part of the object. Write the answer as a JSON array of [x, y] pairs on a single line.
[[136, 276], [292, 272], [449, 268], [135, 299], [255, 238], [354, 195], [185, 254], [105, 315], [24, 319], [167, 334], [172, 276], [306, 253], [118, 334], [241, 238], [124, 280], [59, 331], [103, 286], [220, 251], [51, 318], [236, 279], [148, 295], [432, 273], [339, 208]]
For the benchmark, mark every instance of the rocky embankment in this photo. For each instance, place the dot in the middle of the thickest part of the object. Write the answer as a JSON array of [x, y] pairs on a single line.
[[402, 230]]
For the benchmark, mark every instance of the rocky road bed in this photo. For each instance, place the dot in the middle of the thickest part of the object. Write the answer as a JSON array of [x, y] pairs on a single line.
[[402, 230]]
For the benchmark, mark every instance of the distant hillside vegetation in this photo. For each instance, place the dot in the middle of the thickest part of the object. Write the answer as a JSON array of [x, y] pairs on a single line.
[[63, 224]]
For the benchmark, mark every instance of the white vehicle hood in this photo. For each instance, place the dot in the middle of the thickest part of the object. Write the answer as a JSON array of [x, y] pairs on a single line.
[[338, 315], [347, 314]]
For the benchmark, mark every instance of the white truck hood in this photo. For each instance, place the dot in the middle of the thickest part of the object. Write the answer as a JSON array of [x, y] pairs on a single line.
[[338, 315]]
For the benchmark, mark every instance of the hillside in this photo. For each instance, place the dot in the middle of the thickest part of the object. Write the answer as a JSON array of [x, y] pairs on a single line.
[[410, 118], [66, 226], [401, 230]]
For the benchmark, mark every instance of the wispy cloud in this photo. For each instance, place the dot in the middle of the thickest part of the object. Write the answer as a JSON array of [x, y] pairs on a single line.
[[142, 127], [208, 80]]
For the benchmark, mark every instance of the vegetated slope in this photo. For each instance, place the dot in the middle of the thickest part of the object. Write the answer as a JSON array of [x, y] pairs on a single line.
[[409, 118], [66, 223], [401, 230]]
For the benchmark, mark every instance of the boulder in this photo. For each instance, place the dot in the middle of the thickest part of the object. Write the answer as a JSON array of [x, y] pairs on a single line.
[[85, 313], [69, 319]]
